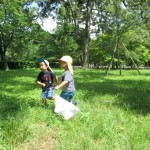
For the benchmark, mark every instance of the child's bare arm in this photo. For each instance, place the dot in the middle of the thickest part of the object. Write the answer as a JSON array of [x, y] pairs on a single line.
[[56, 81], [41, 84], [61, 85]]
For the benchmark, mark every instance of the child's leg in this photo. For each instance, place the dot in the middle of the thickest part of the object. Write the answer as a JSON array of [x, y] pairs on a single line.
[[43, 97], [50, 93], [67, 95], [71, 96]]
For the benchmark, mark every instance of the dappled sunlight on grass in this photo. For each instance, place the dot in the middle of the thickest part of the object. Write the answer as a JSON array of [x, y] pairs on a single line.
[[131, 92], [114, 112]]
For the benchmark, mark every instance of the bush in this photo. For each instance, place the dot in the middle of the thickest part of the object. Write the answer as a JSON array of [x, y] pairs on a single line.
[[20, 64], [27, 64]]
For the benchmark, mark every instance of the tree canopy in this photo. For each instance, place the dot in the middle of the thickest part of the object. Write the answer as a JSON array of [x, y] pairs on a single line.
[[120, 29]]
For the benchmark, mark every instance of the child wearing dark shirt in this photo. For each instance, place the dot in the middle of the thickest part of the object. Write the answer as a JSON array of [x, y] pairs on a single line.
[[46, 79]]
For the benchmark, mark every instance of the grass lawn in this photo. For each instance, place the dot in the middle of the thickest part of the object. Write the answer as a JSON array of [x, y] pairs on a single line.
[[114, 112]]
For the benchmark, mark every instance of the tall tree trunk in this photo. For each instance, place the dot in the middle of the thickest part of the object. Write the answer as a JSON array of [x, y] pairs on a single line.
[[118, 44], [115, 49], [112, 58], [87, 35], [131, 59], [3, 47], [75, 19], [3, 59]]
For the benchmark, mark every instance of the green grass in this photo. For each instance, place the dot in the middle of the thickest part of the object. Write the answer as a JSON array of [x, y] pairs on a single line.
[[114, 112]]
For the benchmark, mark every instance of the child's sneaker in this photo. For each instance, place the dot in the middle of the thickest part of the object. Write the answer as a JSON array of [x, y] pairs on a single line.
[[74, 103], [51, 98]]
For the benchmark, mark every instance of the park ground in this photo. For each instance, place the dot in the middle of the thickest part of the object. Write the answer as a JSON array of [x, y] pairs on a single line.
[[114, 112]]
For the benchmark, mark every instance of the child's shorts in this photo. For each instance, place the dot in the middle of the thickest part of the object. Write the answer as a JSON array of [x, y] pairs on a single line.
[[47, 93]]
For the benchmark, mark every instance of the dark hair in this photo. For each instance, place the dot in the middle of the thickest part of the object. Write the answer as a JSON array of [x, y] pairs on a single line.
[[39, 60]]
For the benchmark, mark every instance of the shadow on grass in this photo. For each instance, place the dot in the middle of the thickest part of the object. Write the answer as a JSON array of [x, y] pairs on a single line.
[[132, 94], [14, 88], [9, 106], [18, 92]]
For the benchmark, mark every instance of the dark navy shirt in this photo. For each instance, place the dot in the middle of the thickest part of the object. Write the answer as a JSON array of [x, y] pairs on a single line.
[[46, 77]]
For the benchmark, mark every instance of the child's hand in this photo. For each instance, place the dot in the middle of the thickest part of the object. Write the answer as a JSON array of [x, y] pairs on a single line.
[[61, 85], [56, 87], [43, 85]]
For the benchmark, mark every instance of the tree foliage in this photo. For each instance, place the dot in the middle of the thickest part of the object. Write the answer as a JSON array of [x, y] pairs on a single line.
[[15, 26], [112, 22]]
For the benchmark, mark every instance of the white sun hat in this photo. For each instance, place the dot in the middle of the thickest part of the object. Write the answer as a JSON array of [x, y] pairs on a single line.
[[47, 63], [68, 60]]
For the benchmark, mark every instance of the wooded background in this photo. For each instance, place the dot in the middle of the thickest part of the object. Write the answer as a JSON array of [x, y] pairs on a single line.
[[96, 33]]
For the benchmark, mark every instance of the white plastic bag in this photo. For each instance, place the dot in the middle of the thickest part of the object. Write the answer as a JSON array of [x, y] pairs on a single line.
[[65, 108]]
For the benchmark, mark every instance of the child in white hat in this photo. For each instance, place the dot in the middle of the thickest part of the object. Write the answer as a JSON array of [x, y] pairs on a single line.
[[67, 80], [46, 79]]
